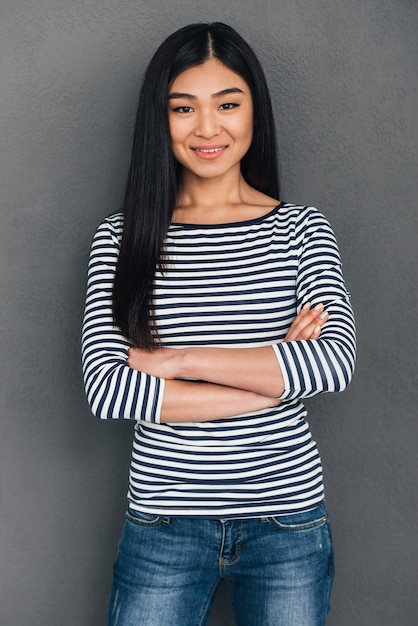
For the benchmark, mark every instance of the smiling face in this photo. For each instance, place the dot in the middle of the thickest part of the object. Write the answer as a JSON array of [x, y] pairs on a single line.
[[210, 114]]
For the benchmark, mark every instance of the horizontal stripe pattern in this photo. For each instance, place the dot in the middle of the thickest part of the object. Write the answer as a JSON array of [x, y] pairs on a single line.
[[230, 285]]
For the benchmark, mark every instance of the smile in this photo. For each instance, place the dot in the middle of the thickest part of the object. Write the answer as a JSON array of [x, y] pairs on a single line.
[[209, 150], [209, 154]]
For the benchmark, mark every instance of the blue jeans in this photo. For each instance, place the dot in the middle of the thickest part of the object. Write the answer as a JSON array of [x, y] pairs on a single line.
[[168, 569]]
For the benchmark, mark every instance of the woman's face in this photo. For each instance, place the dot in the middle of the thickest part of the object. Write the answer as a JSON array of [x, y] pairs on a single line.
[[210, 114]]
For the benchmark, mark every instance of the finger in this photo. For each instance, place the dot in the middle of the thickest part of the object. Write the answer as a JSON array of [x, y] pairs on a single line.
[[313, 330], [303, 312], [306, 317], [300, 318], [316, 314], [309, 332], [315, 333], [309, 312], [305, 323]]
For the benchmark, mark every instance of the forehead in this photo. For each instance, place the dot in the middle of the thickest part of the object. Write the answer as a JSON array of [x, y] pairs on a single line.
[[210, 77]]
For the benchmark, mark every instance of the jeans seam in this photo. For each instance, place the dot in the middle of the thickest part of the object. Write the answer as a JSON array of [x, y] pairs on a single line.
[[204, 616], [298, 527], [144, 523]]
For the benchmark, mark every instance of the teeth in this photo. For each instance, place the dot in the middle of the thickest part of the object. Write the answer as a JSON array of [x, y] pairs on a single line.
[[208, 151]]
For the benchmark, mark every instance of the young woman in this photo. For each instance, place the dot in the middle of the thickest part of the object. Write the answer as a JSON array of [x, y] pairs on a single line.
[[212, 309]]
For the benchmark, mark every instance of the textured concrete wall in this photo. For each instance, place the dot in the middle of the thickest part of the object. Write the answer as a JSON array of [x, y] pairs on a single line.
[[343, 79]]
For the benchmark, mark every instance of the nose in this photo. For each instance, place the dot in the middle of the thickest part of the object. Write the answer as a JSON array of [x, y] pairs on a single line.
[[207, 125]]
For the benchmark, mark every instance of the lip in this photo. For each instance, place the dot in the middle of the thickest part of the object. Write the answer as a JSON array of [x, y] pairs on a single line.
[[209, 153]]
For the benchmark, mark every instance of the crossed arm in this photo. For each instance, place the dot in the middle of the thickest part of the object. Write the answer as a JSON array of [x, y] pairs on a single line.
[[156, 386], [229, 385]]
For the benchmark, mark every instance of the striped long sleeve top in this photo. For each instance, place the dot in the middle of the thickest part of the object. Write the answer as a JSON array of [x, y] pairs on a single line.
[[233, 285]]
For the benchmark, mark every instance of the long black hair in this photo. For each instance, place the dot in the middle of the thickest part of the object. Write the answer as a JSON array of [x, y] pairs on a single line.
[[155, 176]]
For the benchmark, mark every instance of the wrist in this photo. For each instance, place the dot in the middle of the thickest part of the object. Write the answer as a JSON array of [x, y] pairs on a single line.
[[184, 367]]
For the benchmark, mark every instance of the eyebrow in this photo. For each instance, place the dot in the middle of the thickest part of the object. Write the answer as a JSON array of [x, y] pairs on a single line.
[[224, 92]]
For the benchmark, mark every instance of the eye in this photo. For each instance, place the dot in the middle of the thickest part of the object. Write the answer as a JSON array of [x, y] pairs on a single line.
[[228, 106], [183, 109]]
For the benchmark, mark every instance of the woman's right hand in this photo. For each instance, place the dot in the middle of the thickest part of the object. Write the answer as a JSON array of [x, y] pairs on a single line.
[[308, 323]]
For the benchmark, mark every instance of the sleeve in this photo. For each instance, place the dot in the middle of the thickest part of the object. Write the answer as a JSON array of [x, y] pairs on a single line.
[[327, 364], [114, 390]]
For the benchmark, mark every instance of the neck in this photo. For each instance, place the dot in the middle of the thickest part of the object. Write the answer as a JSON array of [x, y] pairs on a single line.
[[211, 193], [219, 200]]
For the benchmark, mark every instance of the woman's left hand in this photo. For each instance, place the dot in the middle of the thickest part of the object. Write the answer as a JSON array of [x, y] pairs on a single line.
[[308, 323]]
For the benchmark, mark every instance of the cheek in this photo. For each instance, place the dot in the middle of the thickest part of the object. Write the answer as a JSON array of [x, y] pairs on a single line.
[[175, 143], [243, 127], [179, 131], [177, 147], [174, 126], [244, 132], [177, 153]]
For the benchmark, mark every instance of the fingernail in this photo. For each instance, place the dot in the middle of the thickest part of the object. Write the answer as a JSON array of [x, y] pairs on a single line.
[[322, 315], [306, 306], [319, 307]]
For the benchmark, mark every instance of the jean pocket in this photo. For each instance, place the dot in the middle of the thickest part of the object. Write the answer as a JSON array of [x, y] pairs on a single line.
[[144, 519], [306, 520]]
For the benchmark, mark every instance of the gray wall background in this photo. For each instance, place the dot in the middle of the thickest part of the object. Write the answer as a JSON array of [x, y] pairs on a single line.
[[343, 79]]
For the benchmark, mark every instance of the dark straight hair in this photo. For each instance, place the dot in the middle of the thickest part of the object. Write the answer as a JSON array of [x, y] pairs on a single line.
[[155, 176]]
